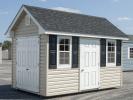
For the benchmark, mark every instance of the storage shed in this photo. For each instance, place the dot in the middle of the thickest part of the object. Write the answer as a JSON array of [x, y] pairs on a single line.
[[56, 52], [127, 54]]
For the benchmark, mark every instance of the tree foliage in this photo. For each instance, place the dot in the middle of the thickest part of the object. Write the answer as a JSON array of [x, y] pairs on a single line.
[[6, 45]]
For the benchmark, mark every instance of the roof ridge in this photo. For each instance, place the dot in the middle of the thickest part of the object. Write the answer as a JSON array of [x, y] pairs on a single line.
[[64, 11]]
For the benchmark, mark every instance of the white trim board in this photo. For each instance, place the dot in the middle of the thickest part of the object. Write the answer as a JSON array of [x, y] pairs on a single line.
[[62, 66], [107, 63], [83, 35], [129, 53]]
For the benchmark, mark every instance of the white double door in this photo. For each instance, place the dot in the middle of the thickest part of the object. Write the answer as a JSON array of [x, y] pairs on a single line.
[[27, 63], [89, 63]]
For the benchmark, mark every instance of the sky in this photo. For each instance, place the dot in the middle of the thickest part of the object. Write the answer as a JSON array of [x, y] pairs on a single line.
[[119, 12]]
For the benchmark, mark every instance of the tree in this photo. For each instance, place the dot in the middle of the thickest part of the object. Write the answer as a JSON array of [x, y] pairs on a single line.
[[6, 45], [0, 44]]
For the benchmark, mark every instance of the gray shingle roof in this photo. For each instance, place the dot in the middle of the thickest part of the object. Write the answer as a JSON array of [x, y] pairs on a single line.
[[53, 20], [130, 37]]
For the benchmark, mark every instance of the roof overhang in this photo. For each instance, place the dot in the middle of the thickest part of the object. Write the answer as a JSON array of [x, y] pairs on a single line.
[[23, 8], [84, 35], [43, 31]]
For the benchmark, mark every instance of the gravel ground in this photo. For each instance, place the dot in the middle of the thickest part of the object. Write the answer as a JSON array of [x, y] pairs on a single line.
[[6, 92]]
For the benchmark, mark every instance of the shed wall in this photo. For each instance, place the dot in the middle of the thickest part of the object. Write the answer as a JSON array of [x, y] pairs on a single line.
[[126, 62], [110, 77], [31, 30], [26, 30], [14, 62], [63, 81], [43, 64], [67, 81]]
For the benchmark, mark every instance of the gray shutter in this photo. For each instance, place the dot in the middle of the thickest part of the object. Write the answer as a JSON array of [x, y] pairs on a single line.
[[103, 52], [118, 53], [75, 48], [52, 51]]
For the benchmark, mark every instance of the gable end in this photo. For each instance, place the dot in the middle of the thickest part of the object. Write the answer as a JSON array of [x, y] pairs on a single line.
[[21, 13]]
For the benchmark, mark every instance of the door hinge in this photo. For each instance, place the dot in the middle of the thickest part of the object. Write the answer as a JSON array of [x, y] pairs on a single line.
[[82, 70], [98, 83]]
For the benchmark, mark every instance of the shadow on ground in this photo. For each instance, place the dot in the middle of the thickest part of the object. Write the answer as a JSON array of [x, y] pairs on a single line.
[[6, 92]]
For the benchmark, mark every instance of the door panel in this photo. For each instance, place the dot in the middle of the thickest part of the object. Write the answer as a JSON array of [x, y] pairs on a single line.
[[89, 63], [27, 67]]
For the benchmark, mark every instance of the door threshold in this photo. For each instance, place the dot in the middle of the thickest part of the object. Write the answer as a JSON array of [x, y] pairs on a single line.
[[89, 89]]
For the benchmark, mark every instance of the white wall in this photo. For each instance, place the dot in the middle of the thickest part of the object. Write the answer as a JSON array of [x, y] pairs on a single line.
[[5, 54]]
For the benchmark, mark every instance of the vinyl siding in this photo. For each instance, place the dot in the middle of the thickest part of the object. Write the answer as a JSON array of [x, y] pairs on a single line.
[[67, 81], [63, 81], [43, 64], [26, 30], [110, 77], [14, 62], [127, 63]]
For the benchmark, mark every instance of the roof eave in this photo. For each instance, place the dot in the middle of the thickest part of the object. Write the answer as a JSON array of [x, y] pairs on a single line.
[[85, 35]]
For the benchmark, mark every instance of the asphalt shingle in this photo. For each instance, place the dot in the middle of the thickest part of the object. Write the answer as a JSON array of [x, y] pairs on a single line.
[[54, 20], [130, 37]]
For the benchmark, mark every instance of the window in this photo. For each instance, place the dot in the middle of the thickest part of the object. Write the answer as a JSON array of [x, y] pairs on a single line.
[[27, 20], [111, 52], [64, 52], [130, 53]]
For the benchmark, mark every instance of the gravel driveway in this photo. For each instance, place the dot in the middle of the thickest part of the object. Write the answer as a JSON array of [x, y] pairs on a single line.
[[6, 92]]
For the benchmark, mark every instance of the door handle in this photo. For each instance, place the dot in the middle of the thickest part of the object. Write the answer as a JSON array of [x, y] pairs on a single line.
[[27, 69], [82, 70]]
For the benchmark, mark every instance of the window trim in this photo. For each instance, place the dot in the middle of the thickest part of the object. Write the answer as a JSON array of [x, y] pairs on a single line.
[[107, 63], [129, 52], [62, 66]]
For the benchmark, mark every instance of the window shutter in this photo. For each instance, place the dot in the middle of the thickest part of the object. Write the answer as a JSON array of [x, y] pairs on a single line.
[[75, 48], [52, 51], [103, 52], [118, 53]]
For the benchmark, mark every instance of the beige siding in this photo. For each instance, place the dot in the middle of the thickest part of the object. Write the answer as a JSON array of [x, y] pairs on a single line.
[[26, 30], [43, 64], [67, 81], [110, 77], [14, 62], [63, 81]]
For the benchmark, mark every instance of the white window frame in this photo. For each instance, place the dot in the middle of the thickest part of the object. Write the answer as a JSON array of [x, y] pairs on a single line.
[[27, 20], [70, 55], [129, 52], [107, 63]]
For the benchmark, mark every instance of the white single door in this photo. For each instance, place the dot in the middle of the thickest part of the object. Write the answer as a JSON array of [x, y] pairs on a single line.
[[27, 63], [89, 63]]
